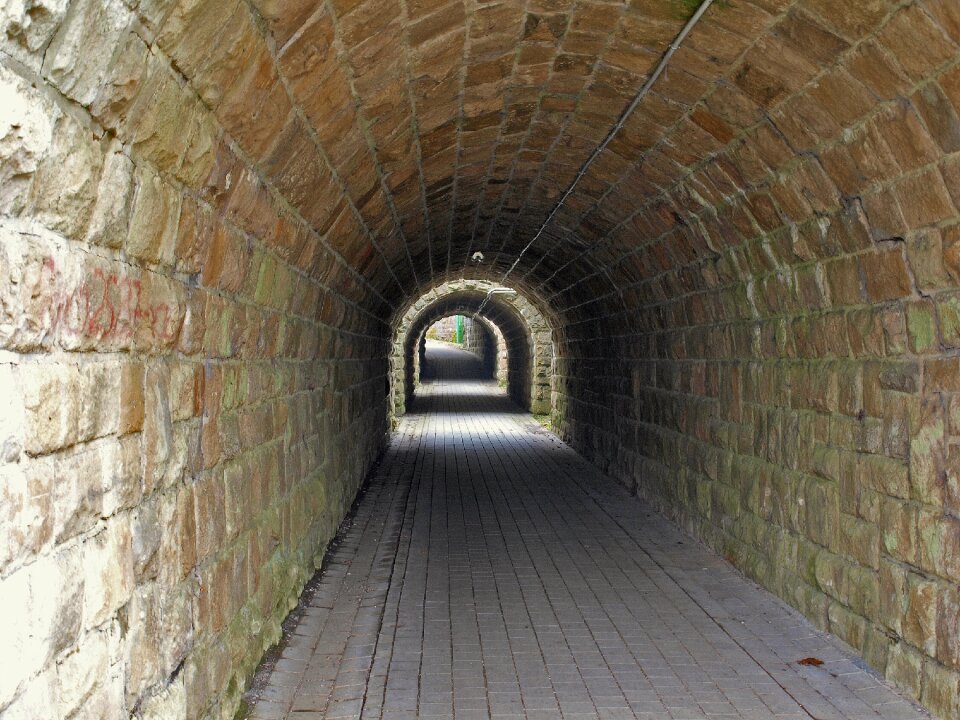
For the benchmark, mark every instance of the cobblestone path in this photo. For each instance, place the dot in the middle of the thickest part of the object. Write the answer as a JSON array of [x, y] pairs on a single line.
[[490, 572]]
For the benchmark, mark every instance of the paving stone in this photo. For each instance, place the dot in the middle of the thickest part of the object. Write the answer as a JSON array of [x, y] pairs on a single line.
[[526, 584]]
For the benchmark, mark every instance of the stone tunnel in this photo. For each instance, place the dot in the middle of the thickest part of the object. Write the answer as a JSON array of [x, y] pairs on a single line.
[[719, 244]]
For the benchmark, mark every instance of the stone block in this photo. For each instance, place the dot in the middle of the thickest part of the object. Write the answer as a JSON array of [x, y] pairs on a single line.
[[27, 117], [100, 413], [922, 328], [905, 668], [177, 633], [948, 311], [193, 235], [903, 377], [168, 703], [52, 587], [77, 487], [939, 544], [108, 571], [127, 77], [920, 619], [226, 264], [80, 672], [36, 700], [193, 329], [51, 399], [131, 398], [899, 523], [831, 574], [886, 275], [941, 689], [28, 26], [821, 508], [68, 64], [158, 427], [256, 107], [864, 592], [952, 487], [876, 648], [942, 374], [107, 699], [847, 625], [158, 640], [894, 331], [898, 412], [209, 512], [12, 421], [193, 27], [161, 127], [939, 115], [860, 540], [913, 28], [123, 479], [865, 332], [142, 642], [154, 220], [878, 70], [924, 199], [886, 223], [146, 531], [64, 192], [927, 453], [110, 216], [948, 627], [26, 511]]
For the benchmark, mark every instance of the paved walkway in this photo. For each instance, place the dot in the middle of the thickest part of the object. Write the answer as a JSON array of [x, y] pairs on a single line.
[[448, 362], [490, 572]]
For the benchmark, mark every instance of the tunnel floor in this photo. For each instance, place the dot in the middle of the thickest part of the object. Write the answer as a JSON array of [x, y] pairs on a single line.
[[490, 572]]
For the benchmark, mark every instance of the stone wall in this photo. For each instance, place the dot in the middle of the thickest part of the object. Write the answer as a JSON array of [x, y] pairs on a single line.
[[784, 380], [485, 339], [214, 217], [192, 392]]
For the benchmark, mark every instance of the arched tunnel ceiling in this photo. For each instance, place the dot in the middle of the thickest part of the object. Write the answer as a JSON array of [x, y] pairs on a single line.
[[411, 133]]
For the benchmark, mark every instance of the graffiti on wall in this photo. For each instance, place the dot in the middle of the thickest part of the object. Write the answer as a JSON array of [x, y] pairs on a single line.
[[105, 306]]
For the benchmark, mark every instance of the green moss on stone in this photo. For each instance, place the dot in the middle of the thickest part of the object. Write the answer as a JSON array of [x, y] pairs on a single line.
[[686, 8], [921, 327]]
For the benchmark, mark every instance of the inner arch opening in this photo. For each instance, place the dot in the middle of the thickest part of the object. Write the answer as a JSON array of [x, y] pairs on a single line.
[[525, 351], [477, 336]]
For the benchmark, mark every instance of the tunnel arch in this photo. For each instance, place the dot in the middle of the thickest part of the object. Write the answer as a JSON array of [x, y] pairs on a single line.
[[482, 338], [212, 212], [528, 336], [515, 338]]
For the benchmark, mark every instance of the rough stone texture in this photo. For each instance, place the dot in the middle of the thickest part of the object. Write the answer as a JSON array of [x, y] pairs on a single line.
[[486, 340], [214, 217], [780, 377], [192, 393]]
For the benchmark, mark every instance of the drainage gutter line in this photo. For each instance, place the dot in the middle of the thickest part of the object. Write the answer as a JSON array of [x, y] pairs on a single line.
[[661, 67]]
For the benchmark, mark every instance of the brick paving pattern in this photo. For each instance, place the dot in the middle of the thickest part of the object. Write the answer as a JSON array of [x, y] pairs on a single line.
[[490, 572]]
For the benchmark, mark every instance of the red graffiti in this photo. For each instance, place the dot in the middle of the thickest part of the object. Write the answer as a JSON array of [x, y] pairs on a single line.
[[104, 306]]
